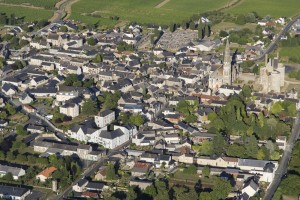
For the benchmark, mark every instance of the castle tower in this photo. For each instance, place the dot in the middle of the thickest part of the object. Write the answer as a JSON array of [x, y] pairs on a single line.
[[227, 72]]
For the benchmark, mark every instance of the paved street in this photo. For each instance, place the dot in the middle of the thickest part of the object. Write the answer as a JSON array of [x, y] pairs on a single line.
[[283, 165], [272, 46], [91, 170]]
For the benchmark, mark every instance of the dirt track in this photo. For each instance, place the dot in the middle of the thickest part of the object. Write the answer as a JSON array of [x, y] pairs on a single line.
[[162, 4]]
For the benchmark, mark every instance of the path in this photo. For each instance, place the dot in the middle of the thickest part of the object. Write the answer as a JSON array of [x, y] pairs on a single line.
[[272, 46], [283, 165], [161, 4], [63, 10], [22, 6]]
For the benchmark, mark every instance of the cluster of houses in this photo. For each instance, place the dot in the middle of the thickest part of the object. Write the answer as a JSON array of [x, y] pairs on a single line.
[[152, 83]]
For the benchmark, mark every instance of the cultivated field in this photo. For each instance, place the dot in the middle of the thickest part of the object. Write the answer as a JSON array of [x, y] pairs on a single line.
[[29, 14], [275, 8], [142, 11], [37, 3]]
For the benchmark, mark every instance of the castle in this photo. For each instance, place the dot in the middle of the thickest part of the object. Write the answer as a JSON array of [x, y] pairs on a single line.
[[224, 75], [271, 77]]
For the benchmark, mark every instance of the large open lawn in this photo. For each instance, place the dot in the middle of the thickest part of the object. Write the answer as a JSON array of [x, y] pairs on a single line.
[[290, 52], [29, 14], [37, 3], [275, 8], [142, 11]]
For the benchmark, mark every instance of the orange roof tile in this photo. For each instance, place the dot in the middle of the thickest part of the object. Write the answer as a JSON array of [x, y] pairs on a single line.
[[48, 171]]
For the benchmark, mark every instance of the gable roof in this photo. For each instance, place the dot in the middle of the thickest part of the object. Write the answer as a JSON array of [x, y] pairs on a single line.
[[112, 134], [47, 172]]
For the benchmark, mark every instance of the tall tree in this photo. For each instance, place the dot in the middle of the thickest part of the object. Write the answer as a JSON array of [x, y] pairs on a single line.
[[221, 189], [89, 107]]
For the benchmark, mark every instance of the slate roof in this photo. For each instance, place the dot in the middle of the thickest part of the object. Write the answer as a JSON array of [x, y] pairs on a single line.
[[8, 169], [112, 134], [12, 191]]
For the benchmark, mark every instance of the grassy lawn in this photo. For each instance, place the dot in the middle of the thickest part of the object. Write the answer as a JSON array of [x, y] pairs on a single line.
[[19, 118], [142, 11], [37, 3], [183, 176], [69, 124], [289, 52], [228, 26], [28, 13], [275, 8]]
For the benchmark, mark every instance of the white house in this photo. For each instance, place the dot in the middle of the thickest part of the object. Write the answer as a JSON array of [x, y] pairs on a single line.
[[104, 118], [80, 186], [25, 98], [250, 189], [15, 171], [69, 109], [228, 90], [45, 174]]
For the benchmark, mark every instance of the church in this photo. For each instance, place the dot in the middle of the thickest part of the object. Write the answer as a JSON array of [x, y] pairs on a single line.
[[224, 75]]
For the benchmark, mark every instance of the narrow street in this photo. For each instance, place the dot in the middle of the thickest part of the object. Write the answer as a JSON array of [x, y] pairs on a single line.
[[283, 165]]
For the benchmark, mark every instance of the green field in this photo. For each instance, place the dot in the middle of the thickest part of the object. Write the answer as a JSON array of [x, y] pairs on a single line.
[[275, 8], [28, 13], [37, 3], [288, 53], [142, 11]]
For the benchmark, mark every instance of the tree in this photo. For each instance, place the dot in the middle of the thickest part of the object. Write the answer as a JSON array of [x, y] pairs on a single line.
[[276, 108], [89, 107], [206, 171], [205, 196], [20, 130], [260, 155], [10, 108], [184, 25], [131, 194], [124, 118], [136, 119], [123, 46], [77, 84], [151, 191], [23, 43], [236, 150], [109, 100], [71, 79], [221, 189], [98, 58], [219, 144], [12, 19], [173, 27], [251, 146], [2, 155], [223, 34], [8, 177], [188, 109], [3, 115], [63, 29], [91, 41], [290, 186], [162, 190], [111, 172], [3, 19], [192, 26], [206, 148], [207, 30], [192, 169]]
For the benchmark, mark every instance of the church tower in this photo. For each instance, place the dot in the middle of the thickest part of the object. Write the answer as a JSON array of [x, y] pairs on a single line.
[[227, 71]]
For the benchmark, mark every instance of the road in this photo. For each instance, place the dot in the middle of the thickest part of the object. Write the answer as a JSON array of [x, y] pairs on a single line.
[[283, 165], [272, 46], [91, 170]]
